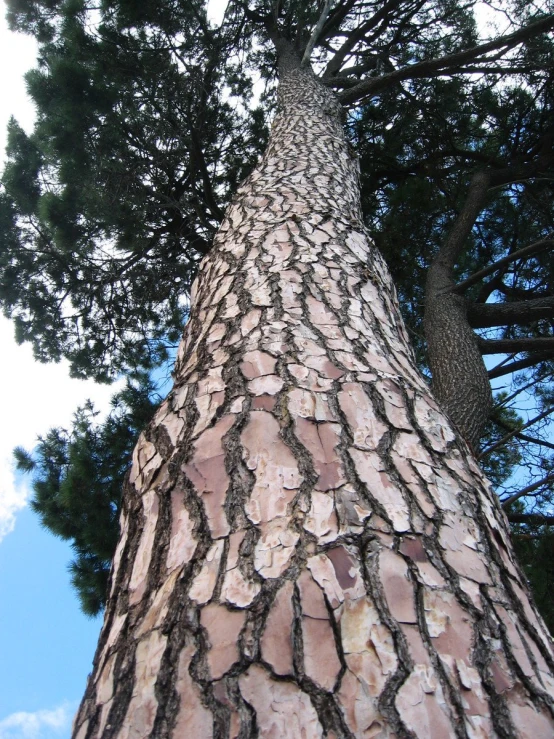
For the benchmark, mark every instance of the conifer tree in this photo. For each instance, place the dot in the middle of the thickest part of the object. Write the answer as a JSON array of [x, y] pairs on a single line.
[[307, 544]]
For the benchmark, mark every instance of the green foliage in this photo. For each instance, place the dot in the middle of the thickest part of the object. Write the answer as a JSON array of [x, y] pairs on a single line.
[[146, 125], [113, 199], [500, 464], [534, 545], [77, 482]]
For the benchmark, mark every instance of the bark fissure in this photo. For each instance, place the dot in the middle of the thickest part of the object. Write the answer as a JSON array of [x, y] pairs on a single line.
[[307, 548]]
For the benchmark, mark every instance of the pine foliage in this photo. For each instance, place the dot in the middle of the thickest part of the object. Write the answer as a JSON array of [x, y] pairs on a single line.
[[77, 481]]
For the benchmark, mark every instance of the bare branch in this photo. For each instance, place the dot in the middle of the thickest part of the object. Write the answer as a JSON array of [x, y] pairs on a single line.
[[522, 437], [514, 346], [533, 440], [485, 315], [526, 491], [511, 435], [451, 63], [526, 252], [505, 369], [315, 33]]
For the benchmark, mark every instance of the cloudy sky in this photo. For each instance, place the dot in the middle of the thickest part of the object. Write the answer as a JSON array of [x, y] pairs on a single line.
[[46, 644]]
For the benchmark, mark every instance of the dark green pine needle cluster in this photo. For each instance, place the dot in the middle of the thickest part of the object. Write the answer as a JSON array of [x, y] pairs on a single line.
[[77, 481]]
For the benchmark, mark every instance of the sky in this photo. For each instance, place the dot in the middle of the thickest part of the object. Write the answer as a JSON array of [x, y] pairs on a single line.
[[46, 643]]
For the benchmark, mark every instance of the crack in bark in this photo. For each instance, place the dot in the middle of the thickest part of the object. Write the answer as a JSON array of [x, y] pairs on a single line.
[[305, 538]]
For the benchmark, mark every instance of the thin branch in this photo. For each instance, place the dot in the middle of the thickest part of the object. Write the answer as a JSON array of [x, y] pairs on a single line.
[[315, 33], [508, 399], [449, 63], [522, 437], [514, 346], [527, 490], [530, 518], [505, 369], [527, 251], [511, 435], [533, 440]]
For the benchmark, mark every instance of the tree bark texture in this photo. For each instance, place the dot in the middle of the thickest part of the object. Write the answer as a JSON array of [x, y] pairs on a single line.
[[460, 379], [307, 549], [485, 315]]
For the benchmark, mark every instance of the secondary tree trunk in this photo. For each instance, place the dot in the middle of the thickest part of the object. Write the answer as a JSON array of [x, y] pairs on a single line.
[[307, 550]]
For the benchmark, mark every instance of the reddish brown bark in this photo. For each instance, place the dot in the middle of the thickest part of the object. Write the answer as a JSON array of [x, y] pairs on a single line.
[[307, 550]]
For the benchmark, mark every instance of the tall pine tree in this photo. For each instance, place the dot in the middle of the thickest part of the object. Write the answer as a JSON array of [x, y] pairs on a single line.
[[306, 544]]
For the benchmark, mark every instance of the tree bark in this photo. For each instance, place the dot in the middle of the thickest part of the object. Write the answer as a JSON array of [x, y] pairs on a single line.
[[460, 378], [509, 314], [307, 550], [513, 346]]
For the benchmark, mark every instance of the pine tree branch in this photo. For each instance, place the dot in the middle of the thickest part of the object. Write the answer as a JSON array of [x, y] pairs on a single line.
[[349, 77], [254, 17], [479, 188], [276, 11], [449, 253], [509, 314], [447, 331], [522, 437], [533, 440], [485, 69], [449, 64], [514, 346], [530, 518], [197, 154], [511, 434], [489, 287], [315, 33], [336, 17], [526, 491], [477, 156], [356, 35], [526, 252], [520, 293], [520, 364]]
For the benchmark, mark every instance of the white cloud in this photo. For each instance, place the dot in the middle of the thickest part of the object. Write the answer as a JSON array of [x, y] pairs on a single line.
[[216, 10], [40, 724], [35, 397], [18, 53], [13, 497]]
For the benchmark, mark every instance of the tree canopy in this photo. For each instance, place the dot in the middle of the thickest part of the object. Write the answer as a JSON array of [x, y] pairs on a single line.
[[148, 116]]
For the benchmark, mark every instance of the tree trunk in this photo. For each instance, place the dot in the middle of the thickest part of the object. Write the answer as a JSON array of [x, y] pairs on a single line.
[[460, 379], [307, 550]]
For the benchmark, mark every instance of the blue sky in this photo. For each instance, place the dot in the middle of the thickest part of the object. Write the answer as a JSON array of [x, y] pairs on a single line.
[[46, 643]]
